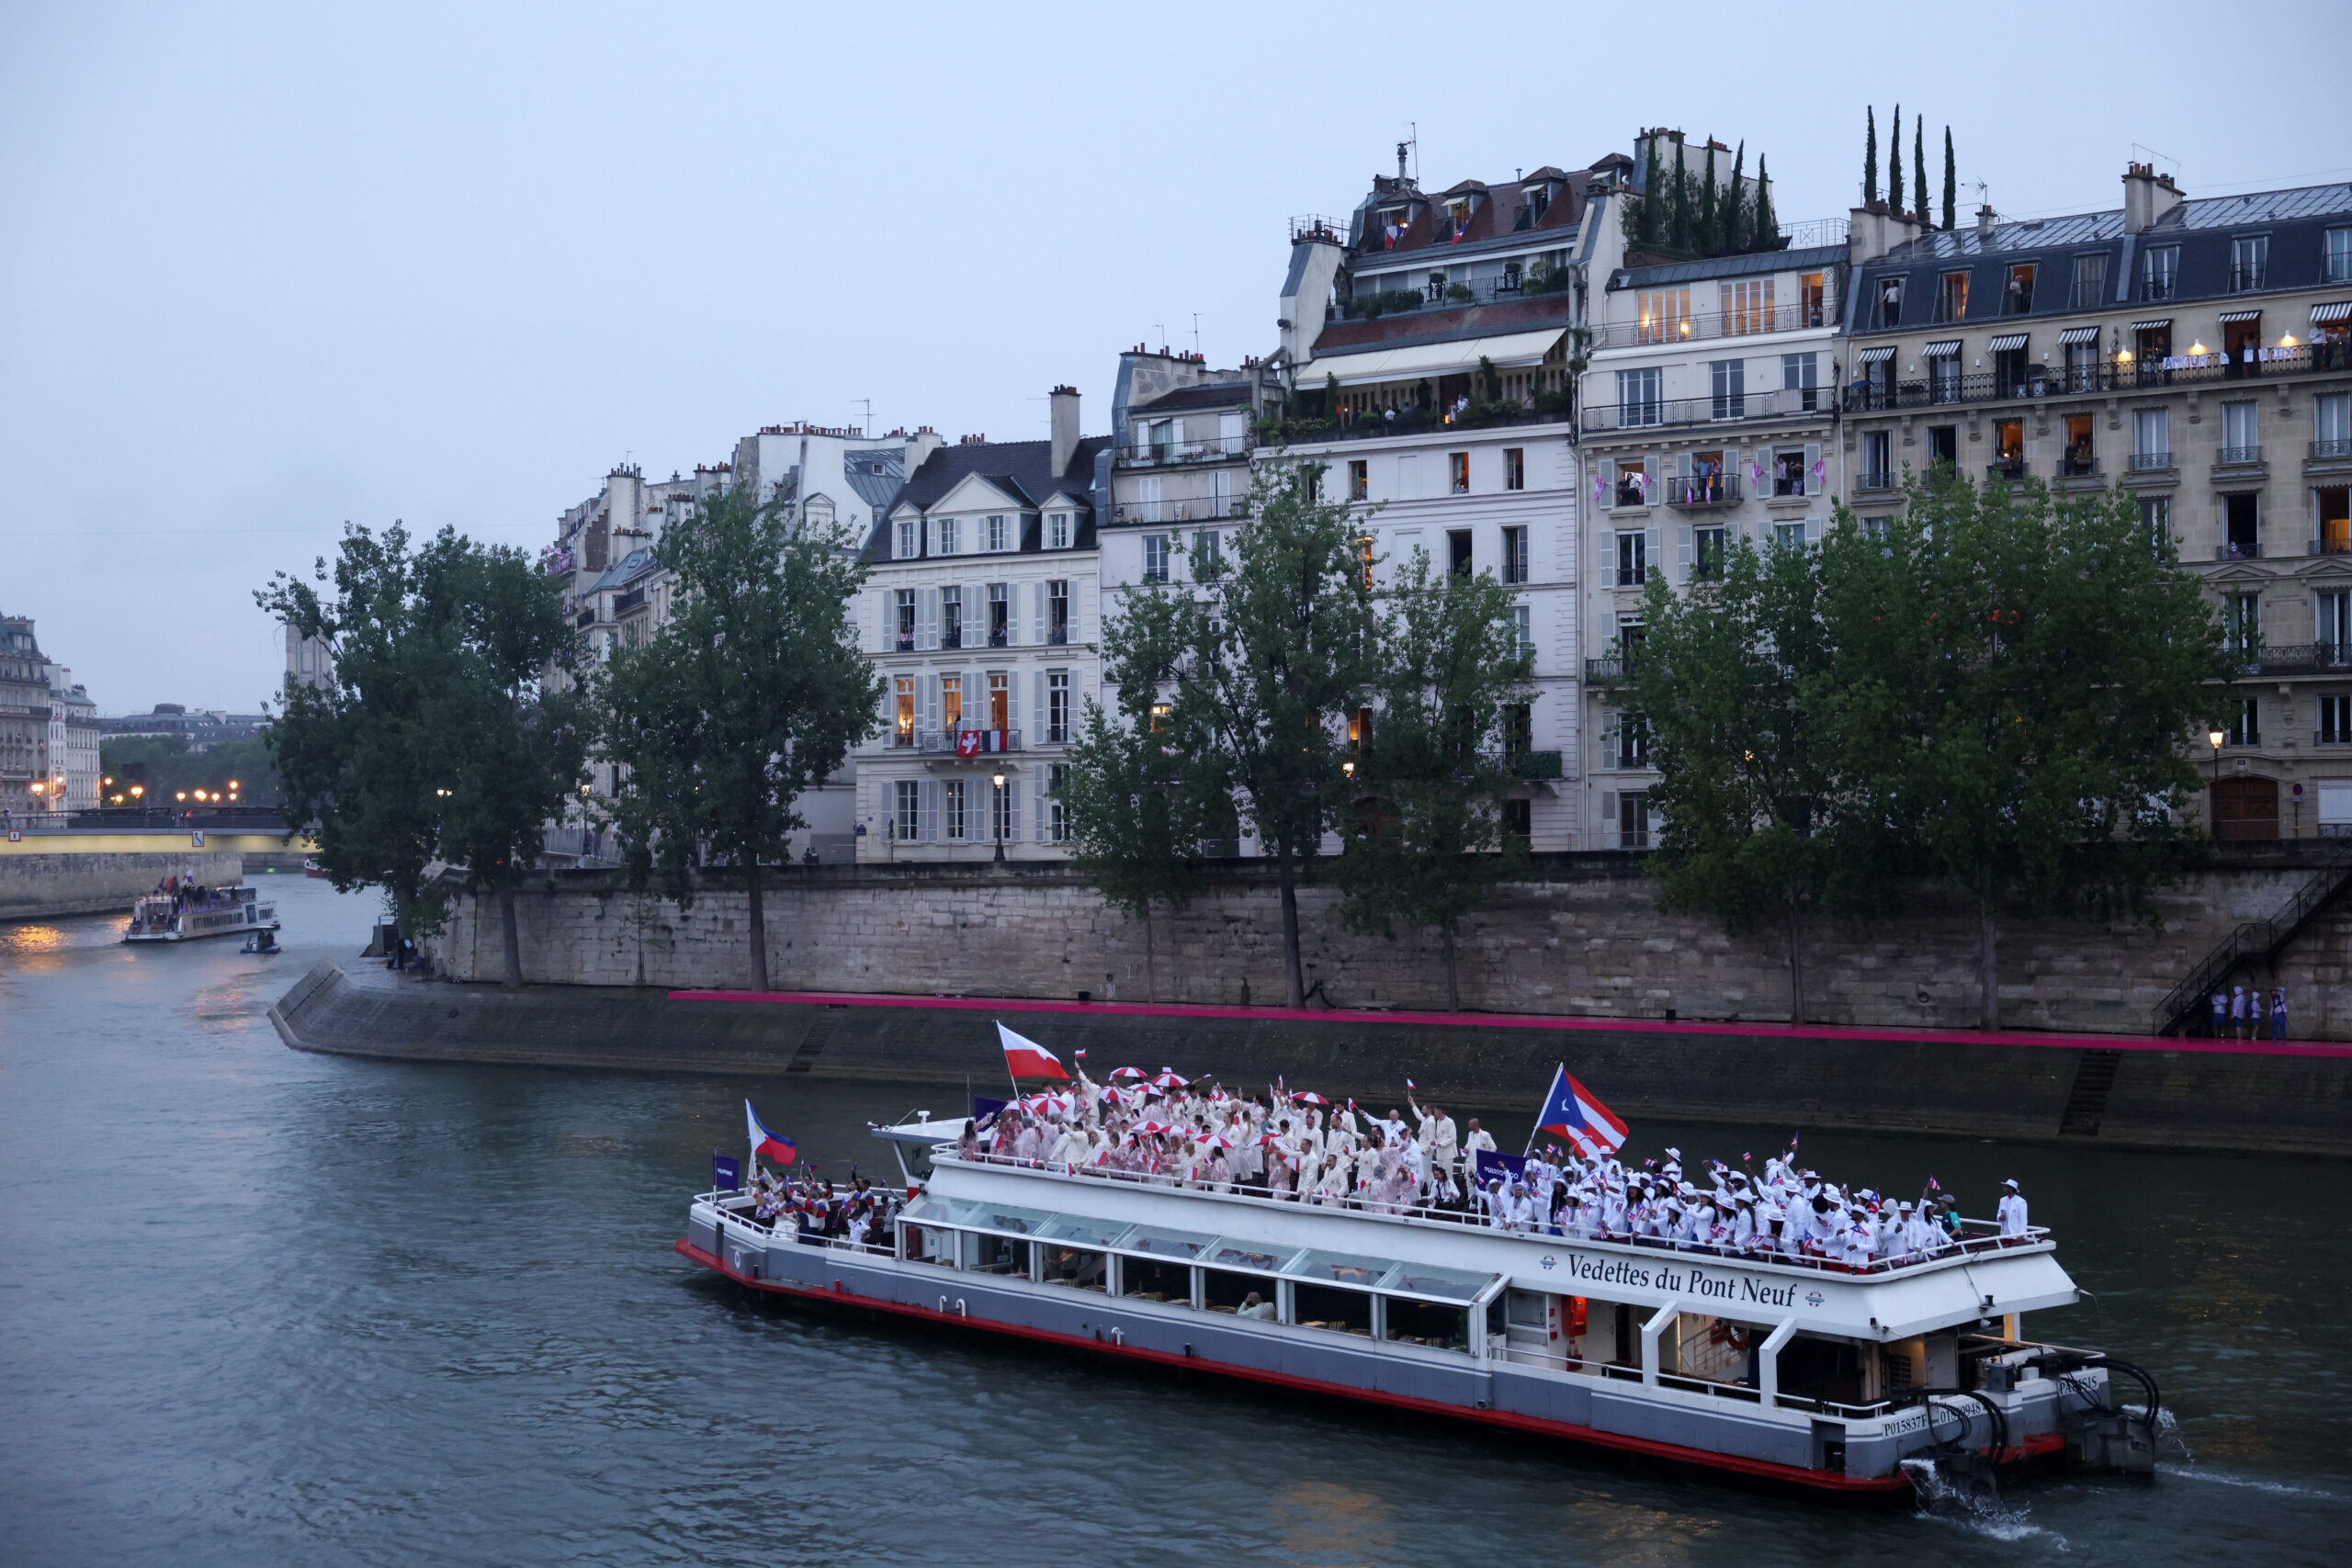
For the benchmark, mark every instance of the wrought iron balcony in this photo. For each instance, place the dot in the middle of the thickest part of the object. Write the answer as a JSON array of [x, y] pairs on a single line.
[[2238, 550], [1169, 453], [2237, 457], [1697, 491], [967, 741], [2042, 382], [2150, 462], [2330, 451], [2294, 658], [1613, 669], [1650, 414]]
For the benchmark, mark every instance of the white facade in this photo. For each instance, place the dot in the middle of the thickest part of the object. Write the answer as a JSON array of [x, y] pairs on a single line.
[[73, 741]]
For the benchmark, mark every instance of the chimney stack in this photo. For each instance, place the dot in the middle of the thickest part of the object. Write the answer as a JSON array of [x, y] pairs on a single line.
[[2147, 196], [1984, 228], [1064, 402]]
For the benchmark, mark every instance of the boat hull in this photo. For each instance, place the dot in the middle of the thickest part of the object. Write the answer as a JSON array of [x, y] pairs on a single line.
[[1589, 1412]]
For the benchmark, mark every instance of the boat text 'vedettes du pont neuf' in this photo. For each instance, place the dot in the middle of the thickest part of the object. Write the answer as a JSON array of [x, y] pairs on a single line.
[[1773, 1326]]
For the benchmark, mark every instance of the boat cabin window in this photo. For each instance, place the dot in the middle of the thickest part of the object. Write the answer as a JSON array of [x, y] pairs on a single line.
[[1446, 1284], [1169, 1283], [1086, 1232], [1328, 1307], [1165, 1243], [1240, 1255], [1340, 1268], [1223, 1291], [996, 1255], [998, 1218], [928, 1244], [1426, 1323], [1813, 1368], [1080, 1267]]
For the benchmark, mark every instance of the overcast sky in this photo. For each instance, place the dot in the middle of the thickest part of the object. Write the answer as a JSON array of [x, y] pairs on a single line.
[[264, 269]]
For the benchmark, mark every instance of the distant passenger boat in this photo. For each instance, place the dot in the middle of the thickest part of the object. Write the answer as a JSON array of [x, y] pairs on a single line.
[[1833, 1380], [177, 917], [313, 868]]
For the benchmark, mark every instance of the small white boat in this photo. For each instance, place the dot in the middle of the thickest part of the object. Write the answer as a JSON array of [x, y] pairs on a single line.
[[185, 916]]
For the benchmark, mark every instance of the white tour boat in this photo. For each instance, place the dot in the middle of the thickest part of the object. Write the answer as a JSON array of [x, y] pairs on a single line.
[[181, 916], [1845, 1381]]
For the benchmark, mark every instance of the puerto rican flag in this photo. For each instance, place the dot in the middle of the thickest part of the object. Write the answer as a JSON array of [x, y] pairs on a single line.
[[1572, 1112], [1025, 1058], [774, 1145]]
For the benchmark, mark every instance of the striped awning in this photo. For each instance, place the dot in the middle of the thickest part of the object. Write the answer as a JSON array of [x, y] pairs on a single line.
[[2229, 317], [1943, 350], [2159, 324], [1876, 356], [2077, 334], [2009, 344], [2341, 310]]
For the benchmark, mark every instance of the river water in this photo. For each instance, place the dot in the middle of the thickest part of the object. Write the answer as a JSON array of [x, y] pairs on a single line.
[[264, 1307]]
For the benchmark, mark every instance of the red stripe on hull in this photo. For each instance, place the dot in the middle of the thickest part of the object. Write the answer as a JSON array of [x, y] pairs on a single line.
[[1765, 1470]]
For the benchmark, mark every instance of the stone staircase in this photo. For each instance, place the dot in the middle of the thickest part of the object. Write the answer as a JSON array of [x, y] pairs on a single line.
[[2254, 943]]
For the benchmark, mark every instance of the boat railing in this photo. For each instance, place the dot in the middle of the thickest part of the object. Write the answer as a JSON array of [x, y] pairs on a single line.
[[757, 1230], [1977, 1237]]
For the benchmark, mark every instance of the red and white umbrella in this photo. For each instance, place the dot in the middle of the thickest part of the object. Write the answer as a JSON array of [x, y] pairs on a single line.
[[1127, 1072], [1168, 1079], [1309, 1097]]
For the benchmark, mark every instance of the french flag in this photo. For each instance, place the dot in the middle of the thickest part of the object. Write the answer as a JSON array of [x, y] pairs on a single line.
[[1571, 1110], [778, 1148], [1025, 1058]]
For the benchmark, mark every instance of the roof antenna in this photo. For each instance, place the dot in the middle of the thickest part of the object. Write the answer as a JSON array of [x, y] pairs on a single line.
[[867, 403], [1196, 332]]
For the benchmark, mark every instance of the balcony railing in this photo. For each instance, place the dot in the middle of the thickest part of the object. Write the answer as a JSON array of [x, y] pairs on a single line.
[[964, 741], [2238, 550], [2072, 465], [1196, 509], [2321, 544], [1608, 670], [2295, 658], [2237, 456], [2038, 381], [1160, 455], [1535, 764], [2149, 462], [1781, 316], [1697, 491], [1549, 408], [2330, 451], [2013, 471], [1650, 414], [1875, 479], [2332, 737]]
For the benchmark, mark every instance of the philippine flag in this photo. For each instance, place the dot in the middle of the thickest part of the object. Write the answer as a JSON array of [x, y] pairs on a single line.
[[1025, 1058], [780, 1149], [1571, 1110]]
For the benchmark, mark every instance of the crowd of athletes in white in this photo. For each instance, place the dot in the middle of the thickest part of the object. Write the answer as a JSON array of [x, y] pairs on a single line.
[[1301, 1148]]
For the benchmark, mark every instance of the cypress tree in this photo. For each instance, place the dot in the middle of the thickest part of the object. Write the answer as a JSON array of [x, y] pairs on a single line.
[[1870, 157], [1710, 214], [1653, 177], [1919, 166], [1733, 238], [1895, 165], [1678, 233], [1763, 227], [1951, 185]]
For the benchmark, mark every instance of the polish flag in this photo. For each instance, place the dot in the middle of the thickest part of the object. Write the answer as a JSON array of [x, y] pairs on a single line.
[[1025, 1058], [775, 1146]]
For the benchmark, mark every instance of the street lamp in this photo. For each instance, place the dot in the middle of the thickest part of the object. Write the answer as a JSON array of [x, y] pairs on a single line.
[[996, 812]]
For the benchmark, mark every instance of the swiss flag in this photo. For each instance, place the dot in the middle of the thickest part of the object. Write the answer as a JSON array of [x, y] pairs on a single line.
[[969, 742], [1025, 1058]]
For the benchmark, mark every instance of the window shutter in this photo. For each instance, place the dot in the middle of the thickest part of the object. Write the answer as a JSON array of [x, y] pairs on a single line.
[[930, 700], [927, 811], [1682, 465], [1037, 812], [1812, 458], [927, 614], [1608, 497], [1654, 549], [1038, 715], [1037, 614], [1812, 530], [1683, 551], [1608, 834], [1012, 811], [1012, 701]]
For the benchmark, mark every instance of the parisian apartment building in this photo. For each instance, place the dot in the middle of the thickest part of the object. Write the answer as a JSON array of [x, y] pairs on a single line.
[[983, 615], [1707, 417], [2199, 352], [1427, 342]]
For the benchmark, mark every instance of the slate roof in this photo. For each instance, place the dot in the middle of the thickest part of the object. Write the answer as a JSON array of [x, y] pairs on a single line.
[[1447, 325], [1496, 219], [2294, 221], [1020, 469], [1670, 273], [875, 474], [1215, 395], [620, 574]]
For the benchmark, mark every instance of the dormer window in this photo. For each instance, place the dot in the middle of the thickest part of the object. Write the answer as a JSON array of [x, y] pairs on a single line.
[[1392, 225], [951, 536], [910, 540], [1539, 202], [1000, 532], [1058, 530], [1457, 217]]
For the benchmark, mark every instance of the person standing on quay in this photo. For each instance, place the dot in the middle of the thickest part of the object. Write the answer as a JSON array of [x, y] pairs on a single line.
[[2279, 1013], [2221, 1010], [2237, 1012]]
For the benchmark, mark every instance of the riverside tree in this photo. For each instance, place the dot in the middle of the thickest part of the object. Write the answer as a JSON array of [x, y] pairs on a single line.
[[433, 738], [1433, 769], [750, 694], [1231, 686], [1761, 824], [2013, 676], [1137, 822]]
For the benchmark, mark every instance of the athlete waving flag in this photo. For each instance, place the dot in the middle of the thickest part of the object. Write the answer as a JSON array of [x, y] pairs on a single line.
[[1574, 1112]]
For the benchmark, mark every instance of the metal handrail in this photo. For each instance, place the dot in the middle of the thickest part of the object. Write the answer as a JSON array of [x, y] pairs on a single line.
[[2038, 381], [1731, 408], [2255, 937], [1978, 1236]]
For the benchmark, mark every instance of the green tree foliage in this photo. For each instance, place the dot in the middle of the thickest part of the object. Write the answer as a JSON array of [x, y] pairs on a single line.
[[1707, 230], [1431, 774], [1920, 165], [1645, 215], [1678, 233], [1762, 826], [1763, 224], [1137, 818], [1895, 165], [1245, 668], [1870, 157], [1952, 184], [435, 737], [167, 768], [2015, 676], [1732, 235], [752, 694]]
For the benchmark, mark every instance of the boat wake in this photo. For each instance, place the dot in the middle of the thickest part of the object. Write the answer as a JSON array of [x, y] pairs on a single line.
[[1970, 1500], [2252, 1484]]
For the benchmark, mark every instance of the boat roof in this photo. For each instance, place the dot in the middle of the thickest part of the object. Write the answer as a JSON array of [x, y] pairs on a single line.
[[1949, 1292]]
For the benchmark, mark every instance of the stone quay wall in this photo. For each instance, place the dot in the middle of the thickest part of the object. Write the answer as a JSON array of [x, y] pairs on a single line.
[[1581, 935], [49, 886]]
